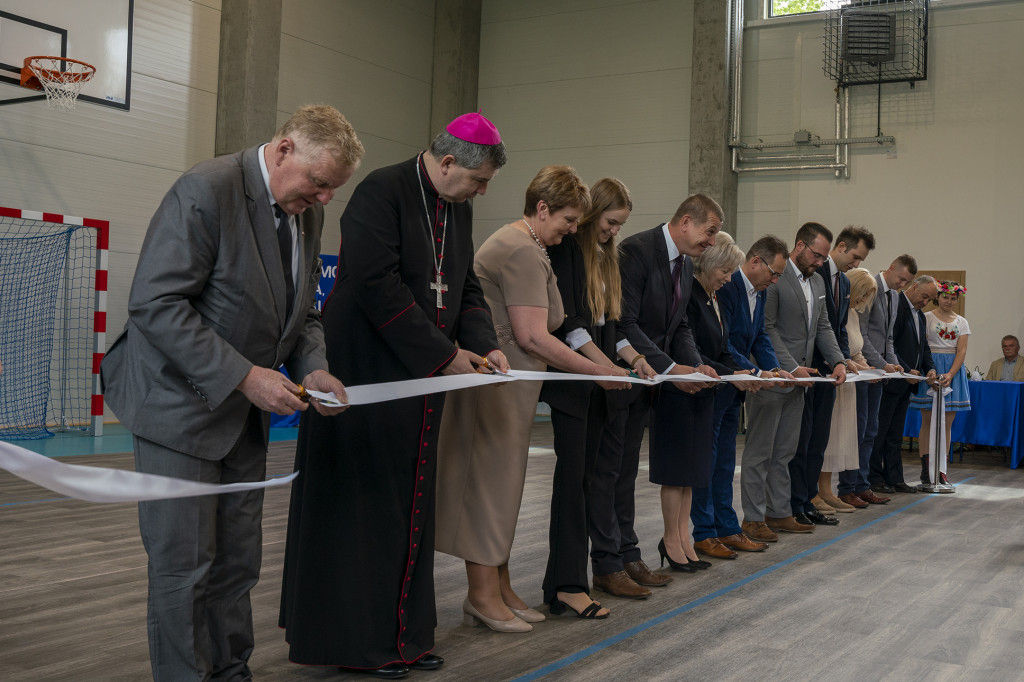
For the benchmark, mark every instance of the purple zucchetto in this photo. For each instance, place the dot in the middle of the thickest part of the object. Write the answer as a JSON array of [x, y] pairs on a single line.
[[474, 128]]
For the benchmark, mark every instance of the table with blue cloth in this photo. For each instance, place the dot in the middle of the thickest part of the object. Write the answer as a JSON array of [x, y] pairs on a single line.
[[995, 418]]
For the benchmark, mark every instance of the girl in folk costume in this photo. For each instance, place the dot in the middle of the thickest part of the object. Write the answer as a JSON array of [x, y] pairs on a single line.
[[947, 340]]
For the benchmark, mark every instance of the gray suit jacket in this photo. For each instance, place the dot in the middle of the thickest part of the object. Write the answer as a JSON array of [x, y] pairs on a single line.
[[207, 303], [876, 328], [786, 323]]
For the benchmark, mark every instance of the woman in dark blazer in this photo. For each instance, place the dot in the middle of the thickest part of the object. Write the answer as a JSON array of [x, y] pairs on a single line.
[[692, 424], [586, 266]]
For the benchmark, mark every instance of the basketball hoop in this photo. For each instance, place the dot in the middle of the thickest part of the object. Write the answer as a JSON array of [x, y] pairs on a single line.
[[60, 78]]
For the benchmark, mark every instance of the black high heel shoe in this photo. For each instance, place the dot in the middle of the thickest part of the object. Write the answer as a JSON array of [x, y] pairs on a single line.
[[700, 564], [676, 566]]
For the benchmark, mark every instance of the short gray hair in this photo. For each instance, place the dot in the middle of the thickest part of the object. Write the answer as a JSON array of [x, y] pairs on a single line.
[[318, 128], [724, 254], [924, 279], [468, 154]]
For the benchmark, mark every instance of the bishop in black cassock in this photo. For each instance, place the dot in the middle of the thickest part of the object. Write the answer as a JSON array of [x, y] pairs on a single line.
[[358, 575]]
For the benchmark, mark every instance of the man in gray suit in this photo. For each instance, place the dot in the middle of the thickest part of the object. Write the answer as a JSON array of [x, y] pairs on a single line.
[[222, 297], [876, 327], [796, 322]]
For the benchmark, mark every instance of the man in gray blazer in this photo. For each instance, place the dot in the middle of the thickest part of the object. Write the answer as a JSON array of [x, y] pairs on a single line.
[[797, 323], [876, 327], [222, 296]]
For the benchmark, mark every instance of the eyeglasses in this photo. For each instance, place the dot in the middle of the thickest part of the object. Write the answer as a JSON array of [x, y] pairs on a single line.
[[817, 256], [775, 275]]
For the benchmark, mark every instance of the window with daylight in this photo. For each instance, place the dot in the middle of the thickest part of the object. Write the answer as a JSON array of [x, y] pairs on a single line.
[[785, 8]]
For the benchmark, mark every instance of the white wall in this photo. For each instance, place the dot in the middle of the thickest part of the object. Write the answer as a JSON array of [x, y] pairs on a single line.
[[370, 58], [600, 85], [951, 190]]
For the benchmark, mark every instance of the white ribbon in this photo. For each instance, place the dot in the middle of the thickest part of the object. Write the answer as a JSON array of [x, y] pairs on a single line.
[[938, 431], [367, 394], [99, 484]]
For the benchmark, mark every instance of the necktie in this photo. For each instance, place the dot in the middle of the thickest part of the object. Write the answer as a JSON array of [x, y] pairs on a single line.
[[284, 241], [835, 290], [888, 308], [677, 291]]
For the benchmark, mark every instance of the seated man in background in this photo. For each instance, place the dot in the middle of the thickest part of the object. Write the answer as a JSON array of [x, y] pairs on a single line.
[[1011, 366]]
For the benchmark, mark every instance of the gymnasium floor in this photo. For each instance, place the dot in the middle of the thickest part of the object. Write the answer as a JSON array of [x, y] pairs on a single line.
[[927, 587]]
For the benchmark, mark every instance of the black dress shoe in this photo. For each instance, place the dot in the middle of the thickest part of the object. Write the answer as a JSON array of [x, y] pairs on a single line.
[[904, 488], [427, 662], [819, 519], [883, 488], [803, 519], [391, 671]]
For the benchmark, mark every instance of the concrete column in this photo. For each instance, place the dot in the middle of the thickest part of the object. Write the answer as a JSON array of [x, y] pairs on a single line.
[[250, 56], [456, 60], [710, 158]]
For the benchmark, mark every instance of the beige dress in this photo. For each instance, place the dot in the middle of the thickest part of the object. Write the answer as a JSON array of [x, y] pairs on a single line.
[[485, 431], [841, 453]]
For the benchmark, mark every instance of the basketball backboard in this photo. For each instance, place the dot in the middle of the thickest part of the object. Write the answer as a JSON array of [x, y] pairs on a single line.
[[95, 31]]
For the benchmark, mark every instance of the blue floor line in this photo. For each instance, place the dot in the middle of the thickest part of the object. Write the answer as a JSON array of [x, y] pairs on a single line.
[[689, 606]]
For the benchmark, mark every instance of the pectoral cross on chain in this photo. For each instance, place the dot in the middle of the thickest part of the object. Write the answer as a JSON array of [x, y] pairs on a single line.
[[440, 288]]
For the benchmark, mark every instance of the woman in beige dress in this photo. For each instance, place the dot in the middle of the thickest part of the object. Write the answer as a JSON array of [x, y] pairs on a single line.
[[485, 431], [842, 451]]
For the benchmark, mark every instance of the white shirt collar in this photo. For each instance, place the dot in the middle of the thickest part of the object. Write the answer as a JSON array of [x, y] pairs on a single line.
[[266, 175], [747, 284], [832, 267], [673, 250], [799, 275], [885, 285]]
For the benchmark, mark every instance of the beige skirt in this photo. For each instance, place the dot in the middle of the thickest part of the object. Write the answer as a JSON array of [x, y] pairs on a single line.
[[482, 453], [842, 451]]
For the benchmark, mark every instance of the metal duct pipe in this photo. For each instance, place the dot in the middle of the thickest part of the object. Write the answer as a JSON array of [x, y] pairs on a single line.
[[820, 166], [817, 143], [736, 40], [782, 157]]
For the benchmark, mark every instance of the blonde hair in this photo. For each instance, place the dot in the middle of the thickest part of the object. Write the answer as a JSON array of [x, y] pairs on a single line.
[[862, 283], [558, 187], [318, 128], [604, 283], [724, 254]]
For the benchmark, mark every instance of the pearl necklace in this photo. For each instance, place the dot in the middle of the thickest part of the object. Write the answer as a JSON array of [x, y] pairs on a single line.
[[534, 235]]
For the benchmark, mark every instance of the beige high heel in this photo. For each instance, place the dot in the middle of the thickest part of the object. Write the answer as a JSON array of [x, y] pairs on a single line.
[[472, 617], [528, 615]]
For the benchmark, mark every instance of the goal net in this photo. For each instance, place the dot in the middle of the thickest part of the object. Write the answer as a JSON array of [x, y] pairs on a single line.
[[52, 323]]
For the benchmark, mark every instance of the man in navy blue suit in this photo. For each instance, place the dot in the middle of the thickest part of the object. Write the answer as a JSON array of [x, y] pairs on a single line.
[[716, 530], [850, 248]]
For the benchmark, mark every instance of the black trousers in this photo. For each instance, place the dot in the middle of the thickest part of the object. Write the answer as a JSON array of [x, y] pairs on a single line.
[[815, 427], [611, 508], [575, 440], [886, 459]]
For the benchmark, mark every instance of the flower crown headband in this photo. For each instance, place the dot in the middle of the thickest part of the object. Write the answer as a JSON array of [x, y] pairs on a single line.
[[952, 288]]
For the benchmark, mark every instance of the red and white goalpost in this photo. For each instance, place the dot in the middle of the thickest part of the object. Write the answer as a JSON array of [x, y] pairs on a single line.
[[53, 322]]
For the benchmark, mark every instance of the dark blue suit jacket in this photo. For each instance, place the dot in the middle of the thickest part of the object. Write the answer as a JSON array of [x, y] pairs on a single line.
[[647, 301], [746, 337], [837, 315], [911, 349]]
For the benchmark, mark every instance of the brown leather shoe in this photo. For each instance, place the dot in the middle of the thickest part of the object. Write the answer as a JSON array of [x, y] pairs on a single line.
[[822, 506], [834, 502], [853, 500], [872, 498], [642, 575], [759, 531], [742, 543], [620, 585], [787, 524], [713, 548]]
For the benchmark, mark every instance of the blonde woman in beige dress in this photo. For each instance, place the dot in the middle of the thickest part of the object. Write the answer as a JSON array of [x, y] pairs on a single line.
[[485, 432], [842, 451]]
